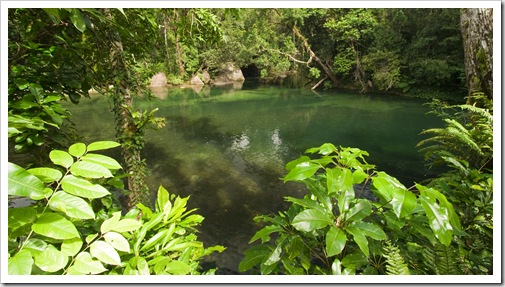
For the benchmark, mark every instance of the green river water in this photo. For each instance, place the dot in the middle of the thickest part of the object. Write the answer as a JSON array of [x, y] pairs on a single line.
[[227, 147]]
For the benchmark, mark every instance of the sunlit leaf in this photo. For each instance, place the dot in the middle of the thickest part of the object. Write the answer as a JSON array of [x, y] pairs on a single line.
[[21, 263], [71, 246], [358, 211], [110, 223], [265, 232], [390, 189], [101, 145], [253, 257], [55, 226], [275, 255], [102, 160], [371, 230], [46, 174], [335, 241], [35, 245], [301, 171], [20, 220], [71, 205], [117, 241], [51, 260], [433, 193], [177, 268], [62, 158], [311, 219], [104, 252], [83, 188], [85, 265], [438, 218], [22, 183], [89, 170], [359, 238], [77, 149], [126, 225]]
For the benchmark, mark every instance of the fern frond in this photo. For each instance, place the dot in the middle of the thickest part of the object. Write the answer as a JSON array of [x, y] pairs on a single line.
[[442, 260], [395, 264]]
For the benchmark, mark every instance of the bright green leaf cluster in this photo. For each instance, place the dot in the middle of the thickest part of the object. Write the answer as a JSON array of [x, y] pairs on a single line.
[[349, 209], [48, 238]]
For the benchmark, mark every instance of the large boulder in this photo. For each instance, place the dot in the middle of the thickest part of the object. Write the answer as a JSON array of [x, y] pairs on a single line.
[[229, 74], [159, 80], [195, 81], [205, 77]]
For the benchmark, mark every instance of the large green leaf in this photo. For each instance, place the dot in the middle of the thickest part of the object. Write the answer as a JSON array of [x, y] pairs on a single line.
[[358, 211], [51, 260], [371, 230], [21, 263], [311, 219], [46, 174], [358, 176], [71, 205], [438, 218], [101, 145], [163, 203], [433, 193], [158, 238], [71, 246], [301, 171], [62, 158], [117, 241], [55, 226], [89, 170], [85, 265], [390, 189], [83, 188], [254, 256], [359, 238], [77, 149], [403, 202], [317, 189], [102, 160], [20, 221], [35, 245], [126, 225], [335, 241], [22, 183], [265, 232], [108, 224], [177, 268], [104, 252], [275, 255]]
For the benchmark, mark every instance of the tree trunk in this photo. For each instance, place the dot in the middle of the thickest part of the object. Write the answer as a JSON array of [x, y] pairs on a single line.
[[325, 68], [477, 30], [126, 128]]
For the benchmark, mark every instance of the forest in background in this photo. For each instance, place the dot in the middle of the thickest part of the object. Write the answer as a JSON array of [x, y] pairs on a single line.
[[59, 54]]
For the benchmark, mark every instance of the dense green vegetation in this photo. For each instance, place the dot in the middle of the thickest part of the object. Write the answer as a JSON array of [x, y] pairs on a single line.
[[75, 226]]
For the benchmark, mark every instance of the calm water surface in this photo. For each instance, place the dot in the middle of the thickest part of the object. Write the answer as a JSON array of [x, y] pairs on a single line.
[[227, 148]]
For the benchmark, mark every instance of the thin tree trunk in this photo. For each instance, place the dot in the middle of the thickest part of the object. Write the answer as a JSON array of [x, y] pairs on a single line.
[[126, 128], [477, 30], [325, 68]]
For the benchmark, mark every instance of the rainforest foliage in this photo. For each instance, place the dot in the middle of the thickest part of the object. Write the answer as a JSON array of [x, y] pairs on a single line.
[[353, 220]]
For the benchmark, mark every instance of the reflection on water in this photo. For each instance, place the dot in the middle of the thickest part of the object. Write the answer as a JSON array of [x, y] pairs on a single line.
[[227, 148]]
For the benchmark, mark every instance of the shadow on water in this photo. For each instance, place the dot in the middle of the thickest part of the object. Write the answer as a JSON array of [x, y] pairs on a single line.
[[226, 187]]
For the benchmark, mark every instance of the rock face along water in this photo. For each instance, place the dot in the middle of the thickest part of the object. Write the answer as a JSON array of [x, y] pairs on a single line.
[[227, 148]]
